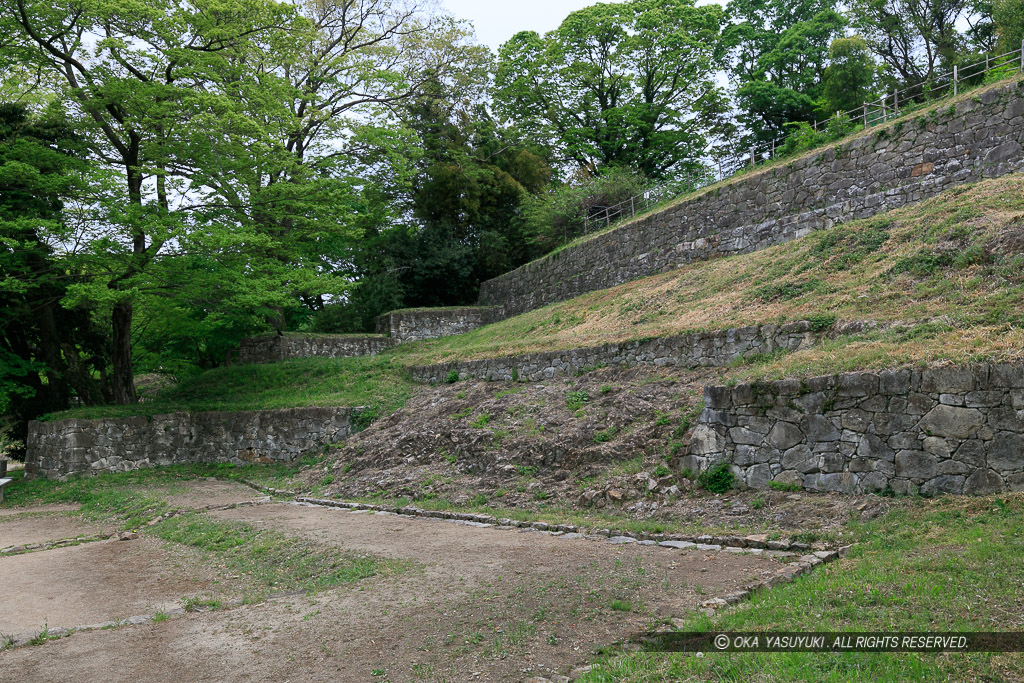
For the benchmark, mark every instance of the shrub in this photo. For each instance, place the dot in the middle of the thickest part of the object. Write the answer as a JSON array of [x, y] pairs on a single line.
[[576, 399], [718, 479], [452, 377]]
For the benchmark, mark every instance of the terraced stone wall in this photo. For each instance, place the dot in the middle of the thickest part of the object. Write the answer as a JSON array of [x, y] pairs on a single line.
[[432, 323], [702, 349], [58, 449], [883, 169], [944, 430], [273, 348]]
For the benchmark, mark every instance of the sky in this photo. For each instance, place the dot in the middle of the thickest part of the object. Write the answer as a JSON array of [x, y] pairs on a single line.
[[498, 20]]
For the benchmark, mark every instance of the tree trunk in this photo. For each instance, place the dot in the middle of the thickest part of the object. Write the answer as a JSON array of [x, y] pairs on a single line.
[[124, 378]]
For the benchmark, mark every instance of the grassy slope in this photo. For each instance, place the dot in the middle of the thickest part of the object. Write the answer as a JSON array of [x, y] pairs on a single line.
[[944, 565], [375, 382], [956, 256]]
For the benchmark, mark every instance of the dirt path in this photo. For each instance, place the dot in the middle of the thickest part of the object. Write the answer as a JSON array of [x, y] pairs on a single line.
[[478, 604]]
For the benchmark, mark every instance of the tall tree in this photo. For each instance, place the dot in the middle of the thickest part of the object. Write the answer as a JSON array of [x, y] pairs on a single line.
[[914, 38], [630, 84], [1008, 16], [47, 352], [136, 73], [849, 76], [779, 52]]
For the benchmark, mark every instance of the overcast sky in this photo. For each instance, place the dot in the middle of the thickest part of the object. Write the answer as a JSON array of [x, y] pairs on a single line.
[[498, 20]]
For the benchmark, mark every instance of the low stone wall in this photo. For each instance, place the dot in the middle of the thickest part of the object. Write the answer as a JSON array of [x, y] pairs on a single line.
[[273, 347], [699, 349], [944, 430], [885, 168], [58, 449], [432, 323]]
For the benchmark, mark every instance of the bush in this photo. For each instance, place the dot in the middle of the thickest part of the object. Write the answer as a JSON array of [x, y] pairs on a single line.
[[718, 479], [576, 399], [453, 377], [552, 219]]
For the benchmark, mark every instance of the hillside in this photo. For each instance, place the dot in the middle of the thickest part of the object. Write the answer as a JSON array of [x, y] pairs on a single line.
[[951, 267], [956, 260]]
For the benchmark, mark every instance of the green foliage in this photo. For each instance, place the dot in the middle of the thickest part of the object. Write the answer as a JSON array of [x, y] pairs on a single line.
[[848, 77], [48, 353], [803, 137], [913, 38], [779, 486], [452, 377], [1009, 20], [372, 383], [556, 217], [786, 291], [717, 479], [628, 84], [575, 400], [606, 435], [482, 420], [780, 53], [822, 321]]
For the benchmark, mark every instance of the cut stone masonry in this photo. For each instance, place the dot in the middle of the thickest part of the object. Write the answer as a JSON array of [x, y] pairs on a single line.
[[953, 430]]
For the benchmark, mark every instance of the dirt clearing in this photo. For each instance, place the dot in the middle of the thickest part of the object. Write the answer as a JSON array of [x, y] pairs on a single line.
[[96, 582], [479, 604], [33, 528]]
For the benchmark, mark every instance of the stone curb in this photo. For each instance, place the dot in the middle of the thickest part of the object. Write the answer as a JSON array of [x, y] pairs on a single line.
[[9, 642], [50, 545], [754, 544], [25, 639], [786, 574], [208, 508], [263, 489]]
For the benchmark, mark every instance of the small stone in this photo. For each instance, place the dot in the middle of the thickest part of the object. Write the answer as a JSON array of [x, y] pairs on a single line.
[[621, 540], [681, 545]]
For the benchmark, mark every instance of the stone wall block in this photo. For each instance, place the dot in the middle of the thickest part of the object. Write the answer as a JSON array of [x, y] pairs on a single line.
[[120, 445], [971, 443]]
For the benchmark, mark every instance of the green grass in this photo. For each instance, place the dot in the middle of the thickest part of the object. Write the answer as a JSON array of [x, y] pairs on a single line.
[[952, 564], [373, 382], [276, 562]]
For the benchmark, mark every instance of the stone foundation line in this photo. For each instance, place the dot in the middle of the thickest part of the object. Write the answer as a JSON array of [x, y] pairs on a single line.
[[730, 544], [753, 544]]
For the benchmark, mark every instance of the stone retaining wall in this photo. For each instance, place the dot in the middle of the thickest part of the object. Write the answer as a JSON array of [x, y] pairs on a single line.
[[885, 168], [417, 324], [57, 449], [699, 349], [273, 347], [953, 430]]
